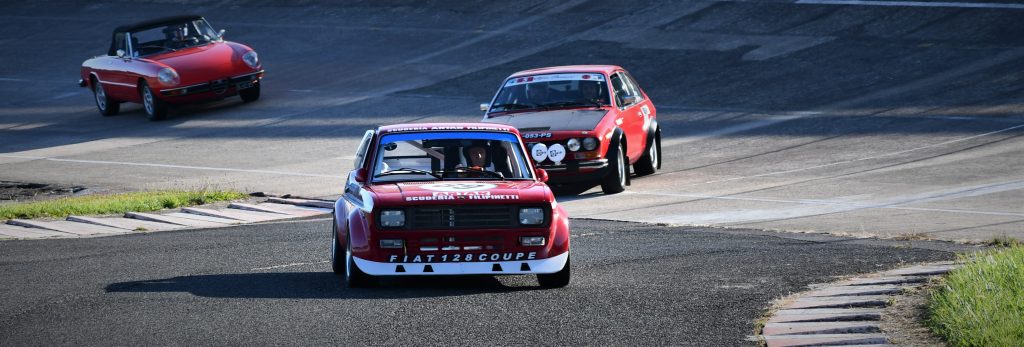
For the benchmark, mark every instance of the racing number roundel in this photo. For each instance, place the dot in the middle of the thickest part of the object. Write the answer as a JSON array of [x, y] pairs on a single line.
[[458, 187]]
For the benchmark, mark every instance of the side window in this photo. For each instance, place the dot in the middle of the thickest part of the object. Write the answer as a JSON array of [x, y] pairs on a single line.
[[363, 146], [634, 89], [618, 88]]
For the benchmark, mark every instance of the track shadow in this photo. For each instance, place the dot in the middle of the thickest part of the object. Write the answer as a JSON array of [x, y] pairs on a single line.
[[316, 285]]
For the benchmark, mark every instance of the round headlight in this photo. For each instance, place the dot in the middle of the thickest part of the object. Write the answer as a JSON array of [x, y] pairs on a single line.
[[556, 152], [250, 58], [573, 144], [539, 152], [590, 143], [167, 76]]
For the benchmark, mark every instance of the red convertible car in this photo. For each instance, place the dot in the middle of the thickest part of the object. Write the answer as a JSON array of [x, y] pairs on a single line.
[[584, 124], [171, 60], [448, 199]]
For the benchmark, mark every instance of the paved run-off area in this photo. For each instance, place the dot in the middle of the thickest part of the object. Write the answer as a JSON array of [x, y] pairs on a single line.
[[270, 284], [799, 116]]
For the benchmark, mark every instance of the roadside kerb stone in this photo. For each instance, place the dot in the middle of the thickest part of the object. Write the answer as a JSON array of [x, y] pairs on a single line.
[[193, 223], [287, 207], [130, 224], [204, 218], [67, 227], [291, 210], [20, 232], [246, 216], [812, 317], [304, 202]]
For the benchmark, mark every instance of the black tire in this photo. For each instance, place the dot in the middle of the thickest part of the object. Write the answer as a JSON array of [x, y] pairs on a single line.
[[337, 264], [250, 94], [107, 106], [156, 109], [354, 277], [650, 162], [615, 181], [556, 280]]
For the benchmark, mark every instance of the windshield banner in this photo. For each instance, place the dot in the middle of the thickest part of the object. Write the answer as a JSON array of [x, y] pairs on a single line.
[[555, 77]]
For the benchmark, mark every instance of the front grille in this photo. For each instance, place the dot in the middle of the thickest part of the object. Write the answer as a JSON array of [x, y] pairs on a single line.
[[461, 217]]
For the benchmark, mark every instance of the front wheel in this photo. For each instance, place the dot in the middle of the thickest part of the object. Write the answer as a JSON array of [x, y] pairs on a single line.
[[651, 160], [615, 181], [107, 106], [156, 109], [250, 94], [354, 277], [556, 280]]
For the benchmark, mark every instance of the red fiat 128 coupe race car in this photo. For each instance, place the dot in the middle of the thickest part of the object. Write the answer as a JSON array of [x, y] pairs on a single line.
[[583, 124], [448, 199], [171, 60]]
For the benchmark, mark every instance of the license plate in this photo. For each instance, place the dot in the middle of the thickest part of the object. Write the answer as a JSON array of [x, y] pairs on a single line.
[[458, 257], [244, 85]]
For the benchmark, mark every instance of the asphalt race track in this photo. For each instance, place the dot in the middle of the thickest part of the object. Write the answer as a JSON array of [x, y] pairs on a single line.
[[795, 116], [270, 284]]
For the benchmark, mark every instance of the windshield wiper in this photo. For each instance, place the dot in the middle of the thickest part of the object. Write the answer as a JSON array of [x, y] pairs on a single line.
[[405, 170], [467, 169], [513, 106]]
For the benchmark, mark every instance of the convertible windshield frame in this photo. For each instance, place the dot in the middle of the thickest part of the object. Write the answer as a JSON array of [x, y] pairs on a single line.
[[516, 165], [198, 32]]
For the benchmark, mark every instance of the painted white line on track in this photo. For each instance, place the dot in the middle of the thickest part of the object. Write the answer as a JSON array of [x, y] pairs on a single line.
[[912, 4], [890, 154], [103, 162], [288, 265], [728, 130]]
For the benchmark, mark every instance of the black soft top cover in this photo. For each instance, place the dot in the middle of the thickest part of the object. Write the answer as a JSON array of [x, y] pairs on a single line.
[[152, 23]]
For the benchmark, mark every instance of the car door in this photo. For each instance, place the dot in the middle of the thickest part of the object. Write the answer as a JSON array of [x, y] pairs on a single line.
[[630, 118], [117, 75], [645, 116]]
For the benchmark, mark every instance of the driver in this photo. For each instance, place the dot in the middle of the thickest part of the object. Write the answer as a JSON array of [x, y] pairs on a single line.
[[537, 93], [591, 92], [176, 37]]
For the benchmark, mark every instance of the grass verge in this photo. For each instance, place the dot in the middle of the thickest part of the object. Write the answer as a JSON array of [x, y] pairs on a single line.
[[981, 303], [115, 203]]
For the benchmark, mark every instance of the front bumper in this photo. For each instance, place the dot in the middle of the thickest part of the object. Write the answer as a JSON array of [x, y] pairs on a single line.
[[576, 171], [217, 86], [522, 267]]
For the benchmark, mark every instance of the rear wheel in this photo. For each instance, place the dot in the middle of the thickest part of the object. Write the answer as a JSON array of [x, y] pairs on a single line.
[[615, 182], [354, 277], [651, 160], [558, 279], [250, 94], [156, 109], [107, 106]]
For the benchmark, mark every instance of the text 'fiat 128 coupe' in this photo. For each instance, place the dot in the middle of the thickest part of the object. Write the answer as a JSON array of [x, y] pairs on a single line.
[[173, 60], [584, 124], [448, 199]]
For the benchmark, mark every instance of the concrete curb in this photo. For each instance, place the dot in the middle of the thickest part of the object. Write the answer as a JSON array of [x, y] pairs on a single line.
[[846, 312], [184, 219]]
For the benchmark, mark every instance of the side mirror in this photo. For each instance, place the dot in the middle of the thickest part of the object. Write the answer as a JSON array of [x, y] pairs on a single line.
[[542, 175], [628, 100], [484, 107], [220, 34], [361, 175], [120, 53]]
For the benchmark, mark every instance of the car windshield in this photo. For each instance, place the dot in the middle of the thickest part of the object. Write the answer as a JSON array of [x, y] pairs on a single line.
[[458, 155], [172, 37], [551, 91]]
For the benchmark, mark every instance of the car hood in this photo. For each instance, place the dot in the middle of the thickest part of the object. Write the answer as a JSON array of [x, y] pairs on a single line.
[[461, 192], [205, 63], [557, 120]]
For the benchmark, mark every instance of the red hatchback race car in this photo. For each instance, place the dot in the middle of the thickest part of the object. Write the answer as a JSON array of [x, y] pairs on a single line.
[[448, 199], [171, 60], [584, 124]]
